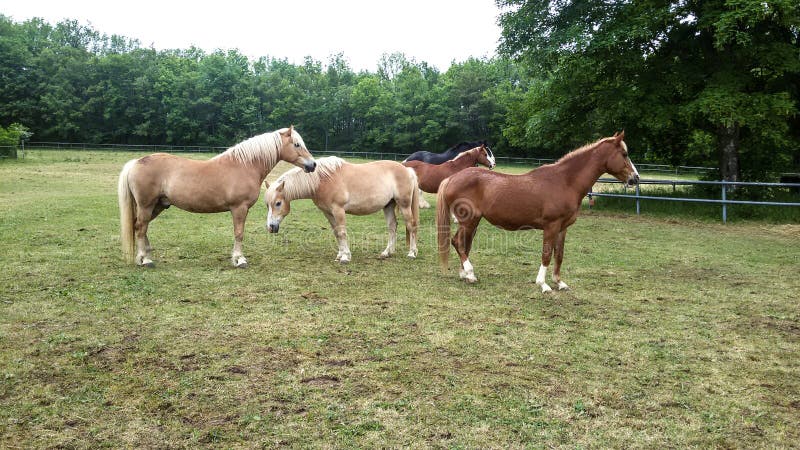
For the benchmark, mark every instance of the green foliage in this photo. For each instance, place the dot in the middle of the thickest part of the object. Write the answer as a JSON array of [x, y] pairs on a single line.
[[70, 83], [726, 69], [10, 138]]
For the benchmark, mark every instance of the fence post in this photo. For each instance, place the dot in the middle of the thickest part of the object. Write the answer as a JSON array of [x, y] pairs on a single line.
[[724, 205], [637, 199]]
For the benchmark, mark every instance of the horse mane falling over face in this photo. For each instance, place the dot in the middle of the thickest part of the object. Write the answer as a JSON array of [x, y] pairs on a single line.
[[339, 188]]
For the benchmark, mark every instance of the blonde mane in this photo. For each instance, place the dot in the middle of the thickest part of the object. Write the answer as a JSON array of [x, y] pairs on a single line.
[[299, 184], [263, 149]]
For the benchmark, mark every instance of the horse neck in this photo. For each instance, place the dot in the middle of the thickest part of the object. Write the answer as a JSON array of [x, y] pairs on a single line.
[[300, 186], [583, 169], [467, 159]]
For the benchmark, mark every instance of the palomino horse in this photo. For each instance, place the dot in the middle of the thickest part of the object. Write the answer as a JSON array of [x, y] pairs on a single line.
[[338, 188], [230, 181], [447, 155], [547, 198], [431, 175]]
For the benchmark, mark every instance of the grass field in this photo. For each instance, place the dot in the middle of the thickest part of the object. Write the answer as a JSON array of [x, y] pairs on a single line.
[[677, 333]]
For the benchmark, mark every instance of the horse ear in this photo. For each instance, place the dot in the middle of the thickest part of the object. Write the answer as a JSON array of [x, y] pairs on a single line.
[[279, 186], [619, 136], [288, 132]]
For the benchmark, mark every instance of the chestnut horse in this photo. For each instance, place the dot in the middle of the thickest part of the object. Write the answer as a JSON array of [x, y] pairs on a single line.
[[547, 198], [431, 175], [338, 188], [230, 181]]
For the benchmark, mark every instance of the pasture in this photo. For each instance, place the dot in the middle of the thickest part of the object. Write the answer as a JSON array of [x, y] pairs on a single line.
[[676, 333]]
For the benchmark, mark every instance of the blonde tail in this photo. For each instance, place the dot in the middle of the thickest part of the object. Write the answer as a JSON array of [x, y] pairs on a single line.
[[414, 205], [126, 212], [443, 225]]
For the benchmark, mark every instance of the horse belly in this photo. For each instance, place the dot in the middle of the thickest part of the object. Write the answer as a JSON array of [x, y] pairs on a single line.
[[367, 202]]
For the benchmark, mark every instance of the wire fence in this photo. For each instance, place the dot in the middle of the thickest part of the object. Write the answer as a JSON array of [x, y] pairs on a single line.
[[725, 187], [507, 160]]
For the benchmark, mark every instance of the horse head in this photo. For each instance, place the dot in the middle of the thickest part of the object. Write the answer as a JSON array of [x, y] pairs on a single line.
[[618, 163], [294, 151], [485, 156], [277, 205]]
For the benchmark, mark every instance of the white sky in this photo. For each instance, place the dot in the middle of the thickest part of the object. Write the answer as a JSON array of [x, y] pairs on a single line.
[[435, 31]]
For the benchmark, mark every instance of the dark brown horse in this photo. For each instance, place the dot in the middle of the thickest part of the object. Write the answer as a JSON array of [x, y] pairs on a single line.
[[431, 175], [547, 198]]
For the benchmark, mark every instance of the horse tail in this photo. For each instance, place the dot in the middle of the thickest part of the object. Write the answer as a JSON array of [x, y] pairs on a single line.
[[414, 202], [443, 225], [126, 212]]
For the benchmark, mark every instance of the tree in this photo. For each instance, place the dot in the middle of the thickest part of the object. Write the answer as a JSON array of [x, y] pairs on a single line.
[[725, 70], [11, 137]]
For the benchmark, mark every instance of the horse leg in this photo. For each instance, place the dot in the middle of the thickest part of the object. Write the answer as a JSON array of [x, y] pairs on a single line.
[[143, 217], [423, 204], [239, 214], [391, 225], [462, 241], [559, 254], [411, 229], [332, 221], [340, 230], [156, 211], [549, 238]]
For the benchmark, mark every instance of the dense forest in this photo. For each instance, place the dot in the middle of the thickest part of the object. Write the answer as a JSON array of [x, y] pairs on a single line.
[[703, 83]]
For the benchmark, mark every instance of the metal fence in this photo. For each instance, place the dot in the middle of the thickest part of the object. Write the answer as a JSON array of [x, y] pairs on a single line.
[[637, 197], [507, 160], [725, 187]]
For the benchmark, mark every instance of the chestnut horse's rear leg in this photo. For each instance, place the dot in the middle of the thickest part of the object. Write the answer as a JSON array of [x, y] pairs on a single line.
[[239, 214], [391, 225], [462, 241], [549, 238], [559, 254]]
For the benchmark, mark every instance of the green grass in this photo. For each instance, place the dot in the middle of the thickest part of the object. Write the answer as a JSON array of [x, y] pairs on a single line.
[[677, 333]]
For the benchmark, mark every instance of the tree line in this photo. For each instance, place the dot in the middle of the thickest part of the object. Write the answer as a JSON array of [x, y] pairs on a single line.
[[691, 82]]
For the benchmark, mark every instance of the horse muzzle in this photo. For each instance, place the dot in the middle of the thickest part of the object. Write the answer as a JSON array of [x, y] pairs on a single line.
[[633, 180], [273, 227], [310, 166]]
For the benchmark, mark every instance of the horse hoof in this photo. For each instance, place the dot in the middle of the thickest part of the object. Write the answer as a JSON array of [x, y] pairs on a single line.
[[562, 286], [546, 289], [384, 255], [412, 255], [344, 261], [149, 265], [242, 265], [470, 279]]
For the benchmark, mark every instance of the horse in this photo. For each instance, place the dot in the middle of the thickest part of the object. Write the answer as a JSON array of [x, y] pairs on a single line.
[[230, 181], [431, 175], [338, 188], [547, 198], [447, 155]]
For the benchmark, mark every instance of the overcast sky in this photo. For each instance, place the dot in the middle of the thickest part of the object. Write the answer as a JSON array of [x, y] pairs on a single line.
[[435, 31]]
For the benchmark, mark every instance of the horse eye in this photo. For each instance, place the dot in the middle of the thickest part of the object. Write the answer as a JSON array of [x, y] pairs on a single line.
[[277, 204], [296, 145]]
